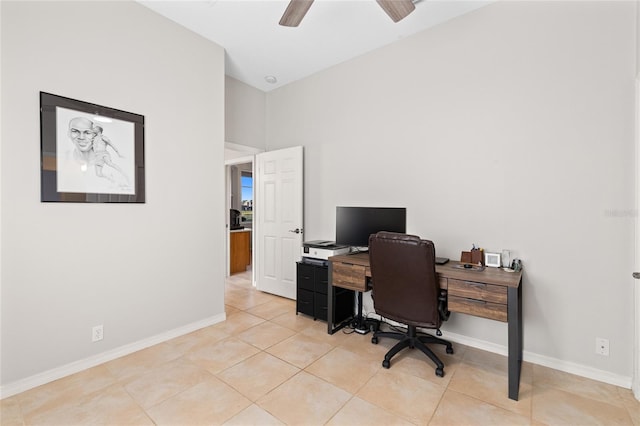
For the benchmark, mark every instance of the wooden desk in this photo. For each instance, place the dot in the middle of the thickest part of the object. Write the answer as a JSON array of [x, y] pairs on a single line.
[[492, 293]]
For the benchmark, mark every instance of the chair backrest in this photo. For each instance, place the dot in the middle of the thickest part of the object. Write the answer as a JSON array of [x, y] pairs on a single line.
[[405, 285]]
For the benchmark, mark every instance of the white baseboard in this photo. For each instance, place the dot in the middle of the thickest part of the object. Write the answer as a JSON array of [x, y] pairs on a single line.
[[83, 364], [556, 364], [77, 366]]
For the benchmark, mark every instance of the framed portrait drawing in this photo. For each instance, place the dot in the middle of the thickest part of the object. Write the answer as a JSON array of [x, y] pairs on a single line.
[[90, 153]]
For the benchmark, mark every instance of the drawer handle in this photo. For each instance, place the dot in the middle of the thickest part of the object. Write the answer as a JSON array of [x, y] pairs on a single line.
[[475, 284], [476, 301]]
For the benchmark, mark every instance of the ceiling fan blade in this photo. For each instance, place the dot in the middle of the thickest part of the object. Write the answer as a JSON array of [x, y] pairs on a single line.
[[295, 12], [397, 9]]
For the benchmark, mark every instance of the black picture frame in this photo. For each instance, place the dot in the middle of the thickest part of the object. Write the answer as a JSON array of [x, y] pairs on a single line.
[[90, 153]]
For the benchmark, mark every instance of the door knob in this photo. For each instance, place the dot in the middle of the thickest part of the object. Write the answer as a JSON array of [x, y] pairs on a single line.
[[296, 231], [636, 275]]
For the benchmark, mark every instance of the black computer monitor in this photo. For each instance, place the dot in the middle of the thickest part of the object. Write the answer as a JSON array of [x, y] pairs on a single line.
[[355, 224]]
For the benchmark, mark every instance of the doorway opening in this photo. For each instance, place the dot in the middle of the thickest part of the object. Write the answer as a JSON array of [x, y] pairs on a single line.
[[239, 206], [276, 217], [240, 217]]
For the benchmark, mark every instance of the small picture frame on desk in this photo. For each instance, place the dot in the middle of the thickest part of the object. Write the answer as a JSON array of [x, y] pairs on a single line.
[[492, 260]]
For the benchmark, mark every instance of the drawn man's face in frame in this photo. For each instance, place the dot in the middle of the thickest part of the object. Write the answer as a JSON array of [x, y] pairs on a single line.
[[81, 133]]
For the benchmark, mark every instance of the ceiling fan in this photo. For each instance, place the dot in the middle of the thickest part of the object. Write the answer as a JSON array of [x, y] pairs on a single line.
[[396, 9]]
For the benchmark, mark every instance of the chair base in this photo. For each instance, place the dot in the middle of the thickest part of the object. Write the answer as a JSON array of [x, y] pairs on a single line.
[[412, 340]]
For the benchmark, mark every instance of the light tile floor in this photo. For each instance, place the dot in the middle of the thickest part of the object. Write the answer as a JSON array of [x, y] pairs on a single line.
[[265, 365]]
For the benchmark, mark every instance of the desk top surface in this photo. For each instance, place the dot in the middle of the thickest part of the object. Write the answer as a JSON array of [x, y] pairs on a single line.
[[233, 231], [451, 269]]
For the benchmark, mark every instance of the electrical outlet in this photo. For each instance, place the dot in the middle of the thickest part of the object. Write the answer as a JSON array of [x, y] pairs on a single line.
[[97, 333], [602, 346]]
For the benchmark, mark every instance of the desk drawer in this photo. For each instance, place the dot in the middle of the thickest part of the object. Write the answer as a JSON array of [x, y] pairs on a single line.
[[478, 291], [320, 307], [349, 276], [304, 276], [479, 299], [304, 302], [478, 308], [321, 279]]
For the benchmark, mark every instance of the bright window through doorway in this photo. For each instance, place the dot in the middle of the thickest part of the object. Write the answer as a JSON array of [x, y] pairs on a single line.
[[246, 210]]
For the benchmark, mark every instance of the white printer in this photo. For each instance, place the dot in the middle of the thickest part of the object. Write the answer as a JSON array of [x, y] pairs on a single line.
[[320, 249]]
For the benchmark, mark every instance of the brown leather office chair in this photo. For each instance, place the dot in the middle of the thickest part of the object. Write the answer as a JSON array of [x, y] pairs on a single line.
[[406, 290]]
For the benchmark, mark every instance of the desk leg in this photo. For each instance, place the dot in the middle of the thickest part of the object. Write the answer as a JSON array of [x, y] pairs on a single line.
[[331, 313], [514, 316], [331, 302]]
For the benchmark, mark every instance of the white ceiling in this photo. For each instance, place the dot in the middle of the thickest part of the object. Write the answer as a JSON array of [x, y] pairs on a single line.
[[333, 31]]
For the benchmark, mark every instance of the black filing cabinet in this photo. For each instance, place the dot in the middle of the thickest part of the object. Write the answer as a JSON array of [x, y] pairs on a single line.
[[311, 298]]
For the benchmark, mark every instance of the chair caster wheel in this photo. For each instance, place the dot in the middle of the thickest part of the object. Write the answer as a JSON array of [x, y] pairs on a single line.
[[374, 340], [449, 350], [439, 372], [386, 363]]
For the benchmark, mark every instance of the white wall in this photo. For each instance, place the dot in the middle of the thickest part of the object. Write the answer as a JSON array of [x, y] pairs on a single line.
[[636, 381], [244, 114], [509, 127], [142, 270]]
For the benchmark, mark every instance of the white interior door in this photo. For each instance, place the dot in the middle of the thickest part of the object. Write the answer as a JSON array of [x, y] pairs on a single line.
[[278, 212]]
